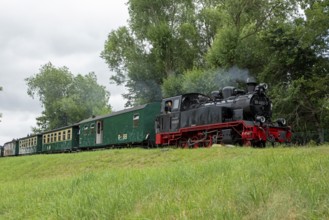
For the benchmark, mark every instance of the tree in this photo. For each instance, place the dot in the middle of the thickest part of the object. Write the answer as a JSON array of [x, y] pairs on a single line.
[[237, 42], [161, 40], [287, 49], [167, 38], [204, 81], [297, 67], [66, 98]]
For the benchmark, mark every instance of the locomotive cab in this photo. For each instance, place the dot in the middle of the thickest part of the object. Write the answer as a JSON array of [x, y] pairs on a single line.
[[168, 120], [192, 109]]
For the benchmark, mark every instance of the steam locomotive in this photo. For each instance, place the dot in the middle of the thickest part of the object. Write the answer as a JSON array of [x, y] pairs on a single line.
[[230, 116]]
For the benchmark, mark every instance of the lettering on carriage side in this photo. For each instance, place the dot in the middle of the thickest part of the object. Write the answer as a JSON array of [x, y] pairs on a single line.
[[122, 137]]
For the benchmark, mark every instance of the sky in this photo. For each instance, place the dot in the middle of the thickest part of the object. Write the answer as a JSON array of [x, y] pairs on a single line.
[[69, 33]]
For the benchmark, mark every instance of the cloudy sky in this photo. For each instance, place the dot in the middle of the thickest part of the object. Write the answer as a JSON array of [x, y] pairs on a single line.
[[67, 33]]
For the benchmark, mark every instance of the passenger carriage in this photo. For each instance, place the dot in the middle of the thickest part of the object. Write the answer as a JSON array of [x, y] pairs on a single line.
[[127, 127], [30, 145], [10, 148], [64, 139]]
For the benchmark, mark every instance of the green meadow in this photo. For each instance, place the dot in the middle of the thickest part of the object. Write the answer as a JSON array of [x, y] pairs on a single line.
[[214, 183]]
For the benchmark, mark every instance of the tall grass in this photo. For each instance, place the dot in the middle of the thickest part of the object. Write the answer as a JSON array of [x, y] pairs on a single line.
[[215, 183]]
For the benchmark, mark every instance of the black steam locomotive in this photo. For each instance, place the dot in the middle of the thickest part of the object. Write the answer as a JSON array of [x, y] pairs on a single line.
[[230, 116]]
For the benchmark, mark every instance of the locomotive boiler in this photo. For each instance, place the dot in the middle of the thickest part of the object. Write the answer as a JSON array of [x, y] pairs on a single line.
[[230, 116]]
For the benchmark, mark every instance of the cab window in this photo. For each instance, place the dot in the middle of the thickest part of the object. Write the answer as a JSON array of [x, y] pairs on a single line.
[[176, 104]]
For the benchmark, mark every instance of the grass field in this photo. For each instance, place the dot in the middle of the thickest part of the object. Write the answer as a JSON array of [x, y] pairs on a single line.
[[215, 183]]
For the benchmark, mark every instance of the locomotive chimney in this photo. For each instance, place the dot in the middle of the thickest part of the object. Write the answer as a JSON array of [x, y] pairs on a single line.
[[251, 84]]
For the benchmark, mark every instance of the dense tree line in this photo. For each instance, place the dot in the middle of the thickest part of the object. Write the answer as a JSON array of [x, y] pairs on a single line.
[[170, 47], [66, 98]]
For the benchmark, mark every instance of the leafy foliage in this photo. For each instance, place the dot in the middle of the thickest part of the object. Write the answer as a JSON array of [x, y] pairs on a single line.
[[66, 98], [201, 81], [297, 67], [179, 45], [162, 40]]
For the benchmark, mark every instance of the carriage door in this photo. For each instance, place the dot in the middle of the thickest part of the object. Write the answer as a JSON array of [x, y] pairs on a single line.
[[99, 132]]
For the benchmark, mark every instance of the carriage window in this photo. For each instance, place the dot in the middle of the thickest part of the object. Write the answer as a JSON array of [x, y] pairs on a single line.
[[48, 138], [44, 139], [69, 135], [85, 129], [135, 120], [64, 136], [59, 136], [55, 137], [92, 128]]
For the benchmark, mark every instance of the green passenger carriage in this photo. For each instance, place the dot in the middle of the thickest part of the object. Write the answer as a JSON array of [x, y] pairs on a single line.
[[61, 140], [30, 145], [126, 127]]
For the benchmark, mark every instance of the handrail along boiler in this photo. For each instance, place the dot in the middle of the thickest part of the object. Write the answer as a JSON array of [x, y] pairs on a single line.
[[230, 116]]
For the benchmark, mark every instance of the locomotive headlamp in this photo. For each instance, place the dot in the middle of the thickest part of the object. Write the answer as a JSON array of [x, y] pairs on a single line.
[[261, 119], [281, 121], [261, 88], [264, 85]]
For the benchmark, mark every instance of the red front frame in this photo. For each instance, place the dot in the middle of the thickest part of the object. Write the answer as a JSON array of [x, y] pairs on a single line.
[[248, 132]]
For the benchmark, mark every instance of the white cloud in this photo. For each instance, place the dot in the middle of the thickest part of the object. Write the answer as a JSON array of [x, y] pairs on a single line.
[[68, 33]]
